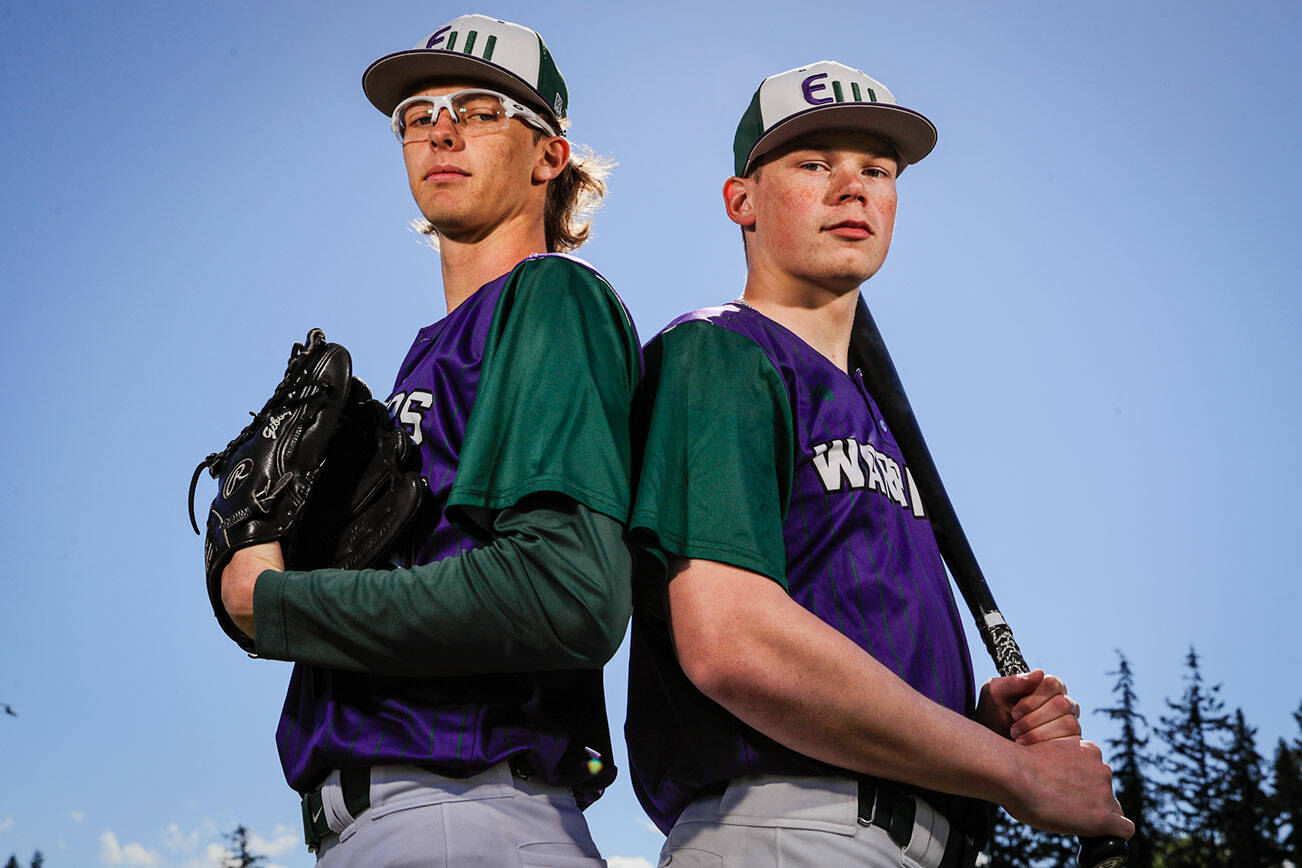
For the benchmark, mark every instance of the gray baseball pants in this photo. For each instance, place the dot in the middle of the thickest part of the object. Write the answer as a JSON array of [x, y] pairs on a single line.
[[425, 820], [765, 821]]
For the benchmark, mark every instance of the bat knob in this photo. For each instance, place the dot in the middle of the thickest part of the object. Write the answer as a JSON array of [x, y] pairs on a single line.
[[1103, 852]]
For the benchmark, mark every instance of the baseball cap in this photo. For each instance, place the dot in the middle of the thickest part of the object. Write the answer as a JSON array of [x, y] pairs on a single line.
[[827, 96], [505, 55]]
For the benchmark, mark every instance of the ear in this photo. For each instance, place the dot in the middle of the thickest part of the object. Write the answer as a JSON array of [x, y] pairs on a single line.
[[737, 201], [553, 157]]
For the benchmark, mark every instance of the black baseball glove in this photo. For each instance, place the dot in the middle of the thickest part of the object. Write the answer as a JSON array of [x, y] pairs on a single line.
[[367, 494], [321, 469]]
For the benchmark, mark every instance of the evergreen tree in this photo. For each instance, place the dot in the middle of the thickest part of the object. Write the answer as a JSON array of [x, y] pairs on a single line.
[[38, 859], [1196, 735], [1052, 850], [1246, 818], [1131, 766], [1286, 800], [1017, 845], [1011, 842], [12, 863], [240, 856]]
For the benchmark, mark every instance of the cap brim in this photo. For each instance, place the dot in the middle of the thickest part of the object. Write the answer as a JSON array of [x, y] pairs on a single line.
[[911, 134], [394, 77]]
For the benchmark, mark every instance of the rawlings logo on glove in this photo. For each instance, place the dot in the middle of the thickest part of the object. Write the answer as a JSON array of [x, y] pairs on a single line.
[[327, 479], [237, 475]]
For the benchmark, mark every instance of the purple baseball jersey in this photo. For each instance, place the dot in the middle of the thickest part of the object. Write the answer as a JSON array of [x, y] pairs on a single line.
[[550, 723], [819, 471]]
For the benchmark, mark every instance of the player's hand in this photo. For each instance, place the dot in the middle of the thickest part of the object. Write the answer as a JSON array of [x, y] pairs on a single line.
[[1029, 708], [241, 574], [1063, 785]]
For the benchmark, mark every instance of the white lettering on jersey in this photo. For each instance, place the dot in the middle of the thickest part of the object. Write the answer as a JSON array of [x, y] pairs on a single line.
[[914, 496], [894, 479], [832, 464], [875, 482], [850, 465], [407, 410]]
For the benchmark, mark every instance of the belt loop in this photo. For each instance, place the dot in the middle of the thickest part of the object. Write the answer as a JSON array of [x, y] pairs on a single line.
[[354, 786], [895, 810], [886, 807]]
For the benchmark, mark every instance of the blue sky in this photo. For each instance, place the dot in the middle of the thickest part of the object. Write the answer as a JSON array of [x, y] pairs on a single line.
[[1091, 297]]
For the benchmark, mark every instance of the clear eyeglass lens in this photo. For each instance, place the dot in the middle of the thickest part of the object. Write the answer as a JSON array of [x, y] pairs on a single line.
[[479, 109], [473, 113]]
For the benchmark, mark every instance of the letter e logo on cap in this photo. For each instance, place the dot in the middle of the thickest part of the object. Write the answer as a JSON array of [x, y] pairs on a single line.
[[436, 39], [807, 87]]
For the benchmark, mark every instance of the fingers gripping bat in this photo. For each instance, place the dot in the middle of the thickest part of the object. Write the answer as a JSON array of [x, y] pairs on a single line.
[[884, 385]]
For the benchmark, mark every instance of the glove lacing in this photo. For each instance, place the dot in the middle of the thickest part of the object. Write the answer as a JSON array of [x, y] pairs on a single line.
[[216, 462]]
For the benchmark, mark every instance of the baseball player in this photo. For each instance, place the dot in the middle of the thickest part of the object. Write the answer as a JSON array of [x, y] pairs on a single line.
[[450, 712], [800, 689]]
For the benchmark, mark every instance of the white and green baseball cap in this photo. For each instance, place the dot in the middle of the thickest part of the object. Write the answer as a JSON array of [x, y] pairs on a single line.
[[827, 96], [482, 49]]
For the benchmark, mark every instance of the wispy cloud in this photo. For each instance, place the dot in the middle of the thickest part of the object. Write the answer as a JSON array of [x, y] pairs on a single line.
[[649, 826], [6, 824], [214, 856], [282, 843], [136, 855], [198, 849], [628, 862], [195, 848], [76, 816], [179, 842]]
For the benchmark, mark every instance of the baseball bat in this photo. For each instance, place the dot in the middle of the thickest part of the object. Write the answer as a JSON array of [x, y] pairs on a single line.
[[883, 383]]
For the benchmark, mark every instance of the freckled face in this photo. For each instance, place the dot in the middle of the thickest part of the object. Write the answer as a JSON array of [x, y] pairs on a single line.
[[465, 186], [824, 208]]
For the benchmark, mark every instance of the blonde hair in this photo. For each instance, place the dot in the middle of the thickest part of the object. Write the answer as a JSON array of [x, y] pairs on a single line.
[[573, 197]]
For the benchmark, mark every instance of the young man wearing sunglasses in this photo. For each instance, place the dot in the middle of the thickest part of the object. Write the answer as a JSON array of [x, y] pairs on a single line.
[[451, 712], [800, 690]]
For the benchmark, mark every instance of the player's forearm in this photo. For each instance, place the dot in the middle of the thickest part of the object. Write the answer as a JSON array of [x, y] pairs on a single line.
[[241, 575], [785, 672], [805, 685], [551, 592]]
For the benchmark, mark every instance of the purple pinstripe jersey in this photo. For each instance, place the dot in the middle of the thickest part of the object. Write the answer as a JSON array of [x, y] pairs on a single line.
[[335, 719], [859, 554]]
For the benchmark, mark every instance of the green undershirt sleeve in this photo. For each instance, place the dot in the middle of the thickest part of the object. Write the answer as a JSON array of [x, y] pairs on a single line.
[[542, 482], [551, 591]]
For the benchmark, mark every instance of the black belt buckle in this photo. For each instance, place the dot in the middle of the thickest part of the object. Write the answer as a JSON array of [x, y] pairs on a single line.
[[315, 827], [355, 785]]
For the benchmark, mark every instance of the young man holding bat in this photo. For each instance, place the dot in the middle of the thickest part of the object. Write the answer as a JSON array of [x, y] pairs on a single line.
[[451, 711], [800, 688]]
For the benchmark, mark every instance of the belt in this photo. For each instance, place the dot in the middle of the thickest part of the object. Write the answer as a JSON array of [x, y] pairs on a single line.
[[355, 785], [892, 809]]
